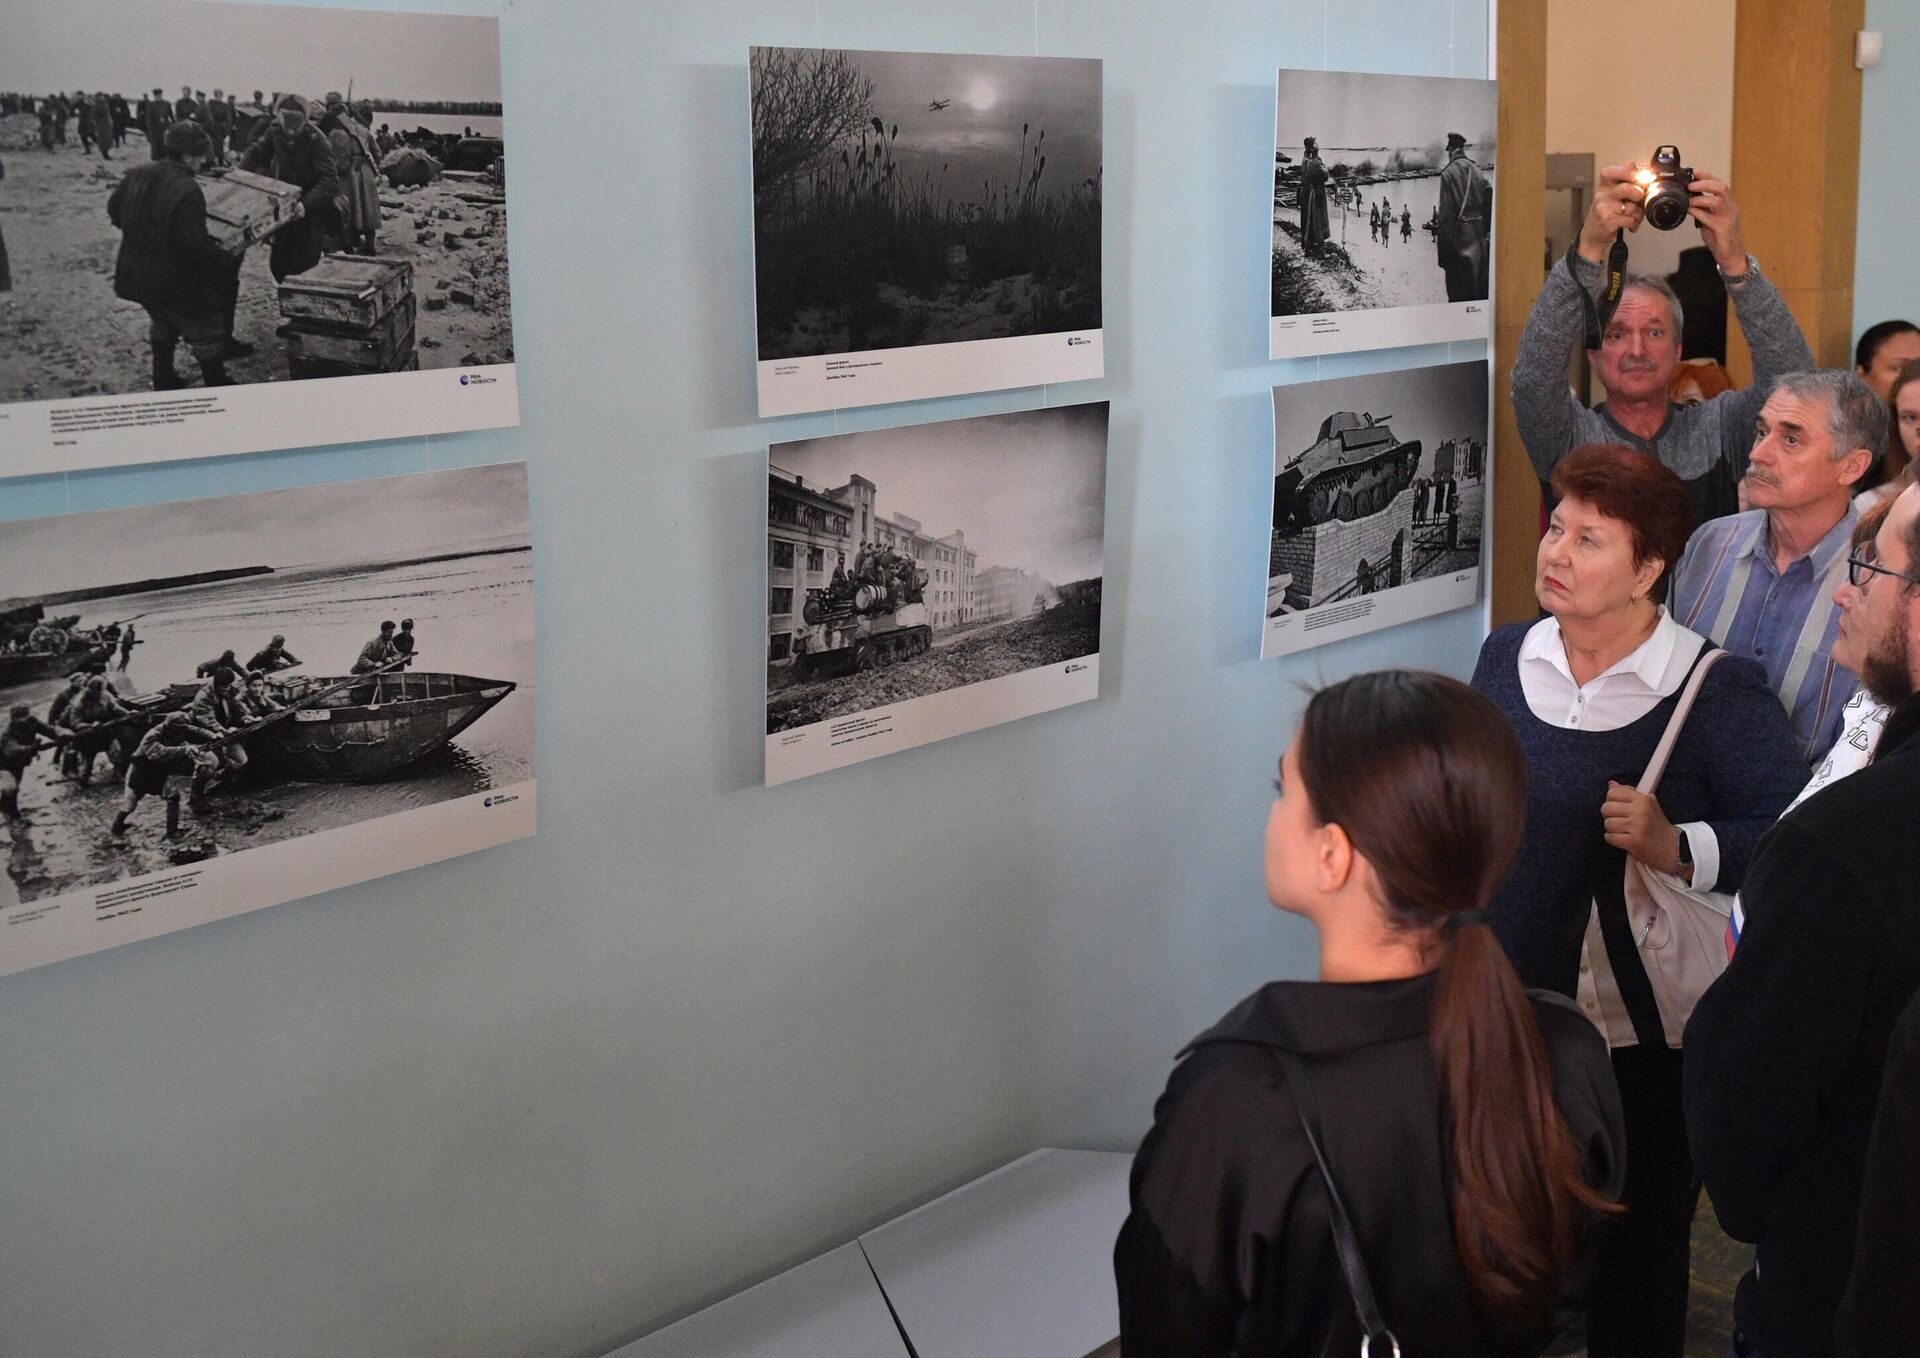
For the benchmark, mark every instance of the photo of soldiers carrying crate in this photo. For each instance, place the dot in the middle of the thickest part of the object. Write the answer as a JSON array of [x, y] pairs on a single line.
[[285, 237]]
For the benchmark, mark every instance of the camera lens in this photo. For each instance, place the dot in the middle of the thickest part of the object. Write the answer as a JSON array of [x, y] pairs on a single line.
[[1666, 205]]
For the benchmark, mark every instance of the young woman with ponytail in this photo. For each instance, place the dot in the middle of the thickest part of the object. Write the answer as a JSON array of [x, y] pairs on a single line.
[[1472, 1127]]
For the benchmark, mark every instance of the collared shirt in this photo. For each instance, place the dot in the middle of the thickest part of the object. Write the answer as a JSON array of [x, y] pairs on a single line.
[[1728, 588], [1629, 689]]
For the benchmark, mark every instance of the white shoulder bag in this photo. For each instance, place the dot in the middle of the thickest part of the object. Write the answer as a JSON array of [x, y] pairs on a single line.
[[1681, 934]]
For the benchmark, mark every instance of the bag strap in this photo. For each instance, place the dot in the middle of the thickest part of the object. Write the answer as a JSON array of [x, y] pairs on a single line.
[[1623, 951], [1596, 315], [1711, 655], [1345, 1243]]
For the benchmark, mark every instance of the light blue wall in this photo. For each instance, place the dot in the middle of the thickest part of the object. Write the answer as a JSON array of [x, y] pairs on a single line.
[[1886, 264], [545, 1098]]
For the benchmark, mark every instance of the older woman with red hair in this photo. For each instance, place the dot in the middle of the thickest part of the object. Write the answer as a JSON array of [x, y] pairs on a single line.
[[1590, 689]]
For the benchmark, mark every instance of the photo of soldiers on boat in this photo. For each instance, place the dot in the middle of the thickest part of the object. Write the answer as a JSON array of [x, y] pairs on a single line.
[[254, 194], [278, 691]]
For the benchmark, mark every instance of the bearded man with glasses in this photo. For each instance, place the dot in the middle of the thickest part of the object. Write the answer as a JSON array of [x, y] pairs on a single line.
[[1785, 1051]]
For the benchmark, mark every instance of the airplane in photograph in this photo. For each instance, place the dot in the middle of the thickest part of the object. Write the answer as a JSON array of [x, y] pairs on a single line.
[[937, 105]]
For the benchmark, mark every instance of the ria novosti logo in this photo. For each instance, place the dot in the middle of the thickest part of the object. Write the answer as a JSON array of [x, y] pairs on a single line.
[[476, 380], [500, 800], [1077, 339]]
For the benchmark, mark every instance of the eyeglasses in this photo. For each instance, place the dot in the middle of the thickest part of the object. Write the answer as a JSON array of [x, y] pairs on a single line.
[[1860, 568]]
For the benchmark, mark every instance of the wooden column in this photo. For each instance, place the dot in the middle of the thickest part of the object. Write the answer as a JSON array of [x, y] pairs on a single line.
[[1520, 233], [1796, 162]]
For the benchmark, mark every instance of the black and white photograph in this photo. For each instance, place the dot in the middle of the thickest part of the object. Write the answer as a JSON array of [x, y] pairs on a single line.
[[1379, 497], [1382, 211], [928, 581], [234, 227], [923, 224], [218, 705]]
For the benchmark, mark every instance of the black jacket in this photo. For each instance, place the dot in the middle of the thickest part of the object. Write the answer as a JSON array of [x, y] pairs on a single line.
[[167, 259], [1784, 1052], [1227, 1249], [1883, 1300], [305, 160]]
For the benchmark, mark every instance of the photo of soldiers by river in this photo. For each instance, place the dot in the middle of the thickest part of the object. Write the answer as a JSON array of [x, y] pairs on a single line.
[[1382, 191], [907, 198], [184, 681], [200, 194], [907, 562], [1379, 481]]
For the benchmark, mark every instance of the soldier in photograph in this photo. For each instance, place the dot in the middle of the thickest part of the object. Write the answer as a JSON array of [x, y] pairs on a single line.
[[94, 719], [227, 661], [83, 115], [258, 702], [294, 151], [218, 708], [1464, 217], [1312, 199], [376, 652], [100, 116], [219, 125], [273, 657], [174, 746], [404, 641], [20, 744], [66, 697], [358, 168], [155, 118], [169, 264]]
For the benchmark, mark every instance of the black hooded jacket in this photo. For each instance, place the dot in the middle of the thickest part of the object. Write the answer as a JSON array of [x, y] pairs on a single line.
[[1784, 1052], [1228, 1248]]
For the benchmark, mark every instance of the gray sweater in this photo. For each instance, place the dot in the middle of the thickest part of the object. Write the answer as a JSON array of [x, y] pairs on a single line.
[[1707, 444]]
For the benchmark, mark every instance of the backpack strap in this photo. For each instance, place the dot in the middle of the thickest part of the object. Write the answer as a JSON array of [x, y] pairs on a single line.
[[1345, 1243]]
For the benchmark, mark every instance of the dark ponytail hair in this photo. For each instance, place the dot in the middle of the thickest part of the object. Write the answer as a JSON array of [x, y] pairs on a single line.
[[1426, 778]]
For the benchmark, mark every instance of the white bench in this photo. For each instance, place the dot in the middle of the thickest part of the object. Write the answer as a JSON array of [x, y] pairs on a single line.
[[1016, 1264]]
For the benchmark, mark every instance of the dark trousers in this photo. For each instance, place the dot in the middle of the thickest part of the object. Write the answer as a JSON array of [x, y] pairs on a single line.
[[1638, 1304]]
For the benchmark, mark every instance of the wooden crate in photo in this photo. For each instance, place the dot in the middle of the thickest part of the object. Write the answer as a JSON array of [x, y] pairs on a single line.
[[350, 292], [243, 207]]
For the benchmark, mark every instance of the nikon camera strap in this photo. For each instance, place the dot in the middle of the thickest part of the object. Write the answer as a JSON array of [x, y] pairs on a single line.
[[1598, 315]]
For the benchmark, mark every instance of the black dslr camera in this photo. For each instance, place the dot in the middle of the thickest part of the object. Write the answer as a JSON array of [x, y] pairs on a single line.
[[1665, 182]]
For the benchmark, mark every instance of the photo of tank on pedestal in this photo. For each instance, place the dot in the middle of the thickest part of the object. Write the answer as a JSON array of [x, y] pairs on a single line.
[[1342, 510], [1378, 488]]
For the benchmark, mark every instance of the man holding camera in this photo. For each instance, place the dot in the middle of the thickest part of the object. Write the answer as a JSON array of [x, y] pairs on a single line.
[[1638, 346]]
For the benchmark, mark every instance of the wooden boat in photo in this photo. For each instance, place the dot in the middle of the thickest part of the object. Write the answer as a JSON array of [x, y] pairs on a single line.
[[35, 647], [361, 728]]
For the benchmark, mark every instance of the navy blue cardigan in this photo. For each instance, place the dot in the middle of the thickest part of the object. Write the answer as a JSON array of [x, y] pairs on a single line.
[[1736, 767]]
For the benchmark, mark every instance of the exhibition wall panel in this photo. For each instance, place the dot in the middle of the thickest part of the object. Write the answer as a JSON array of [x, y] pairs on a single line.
[[547, 1097], [1886, 266]]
